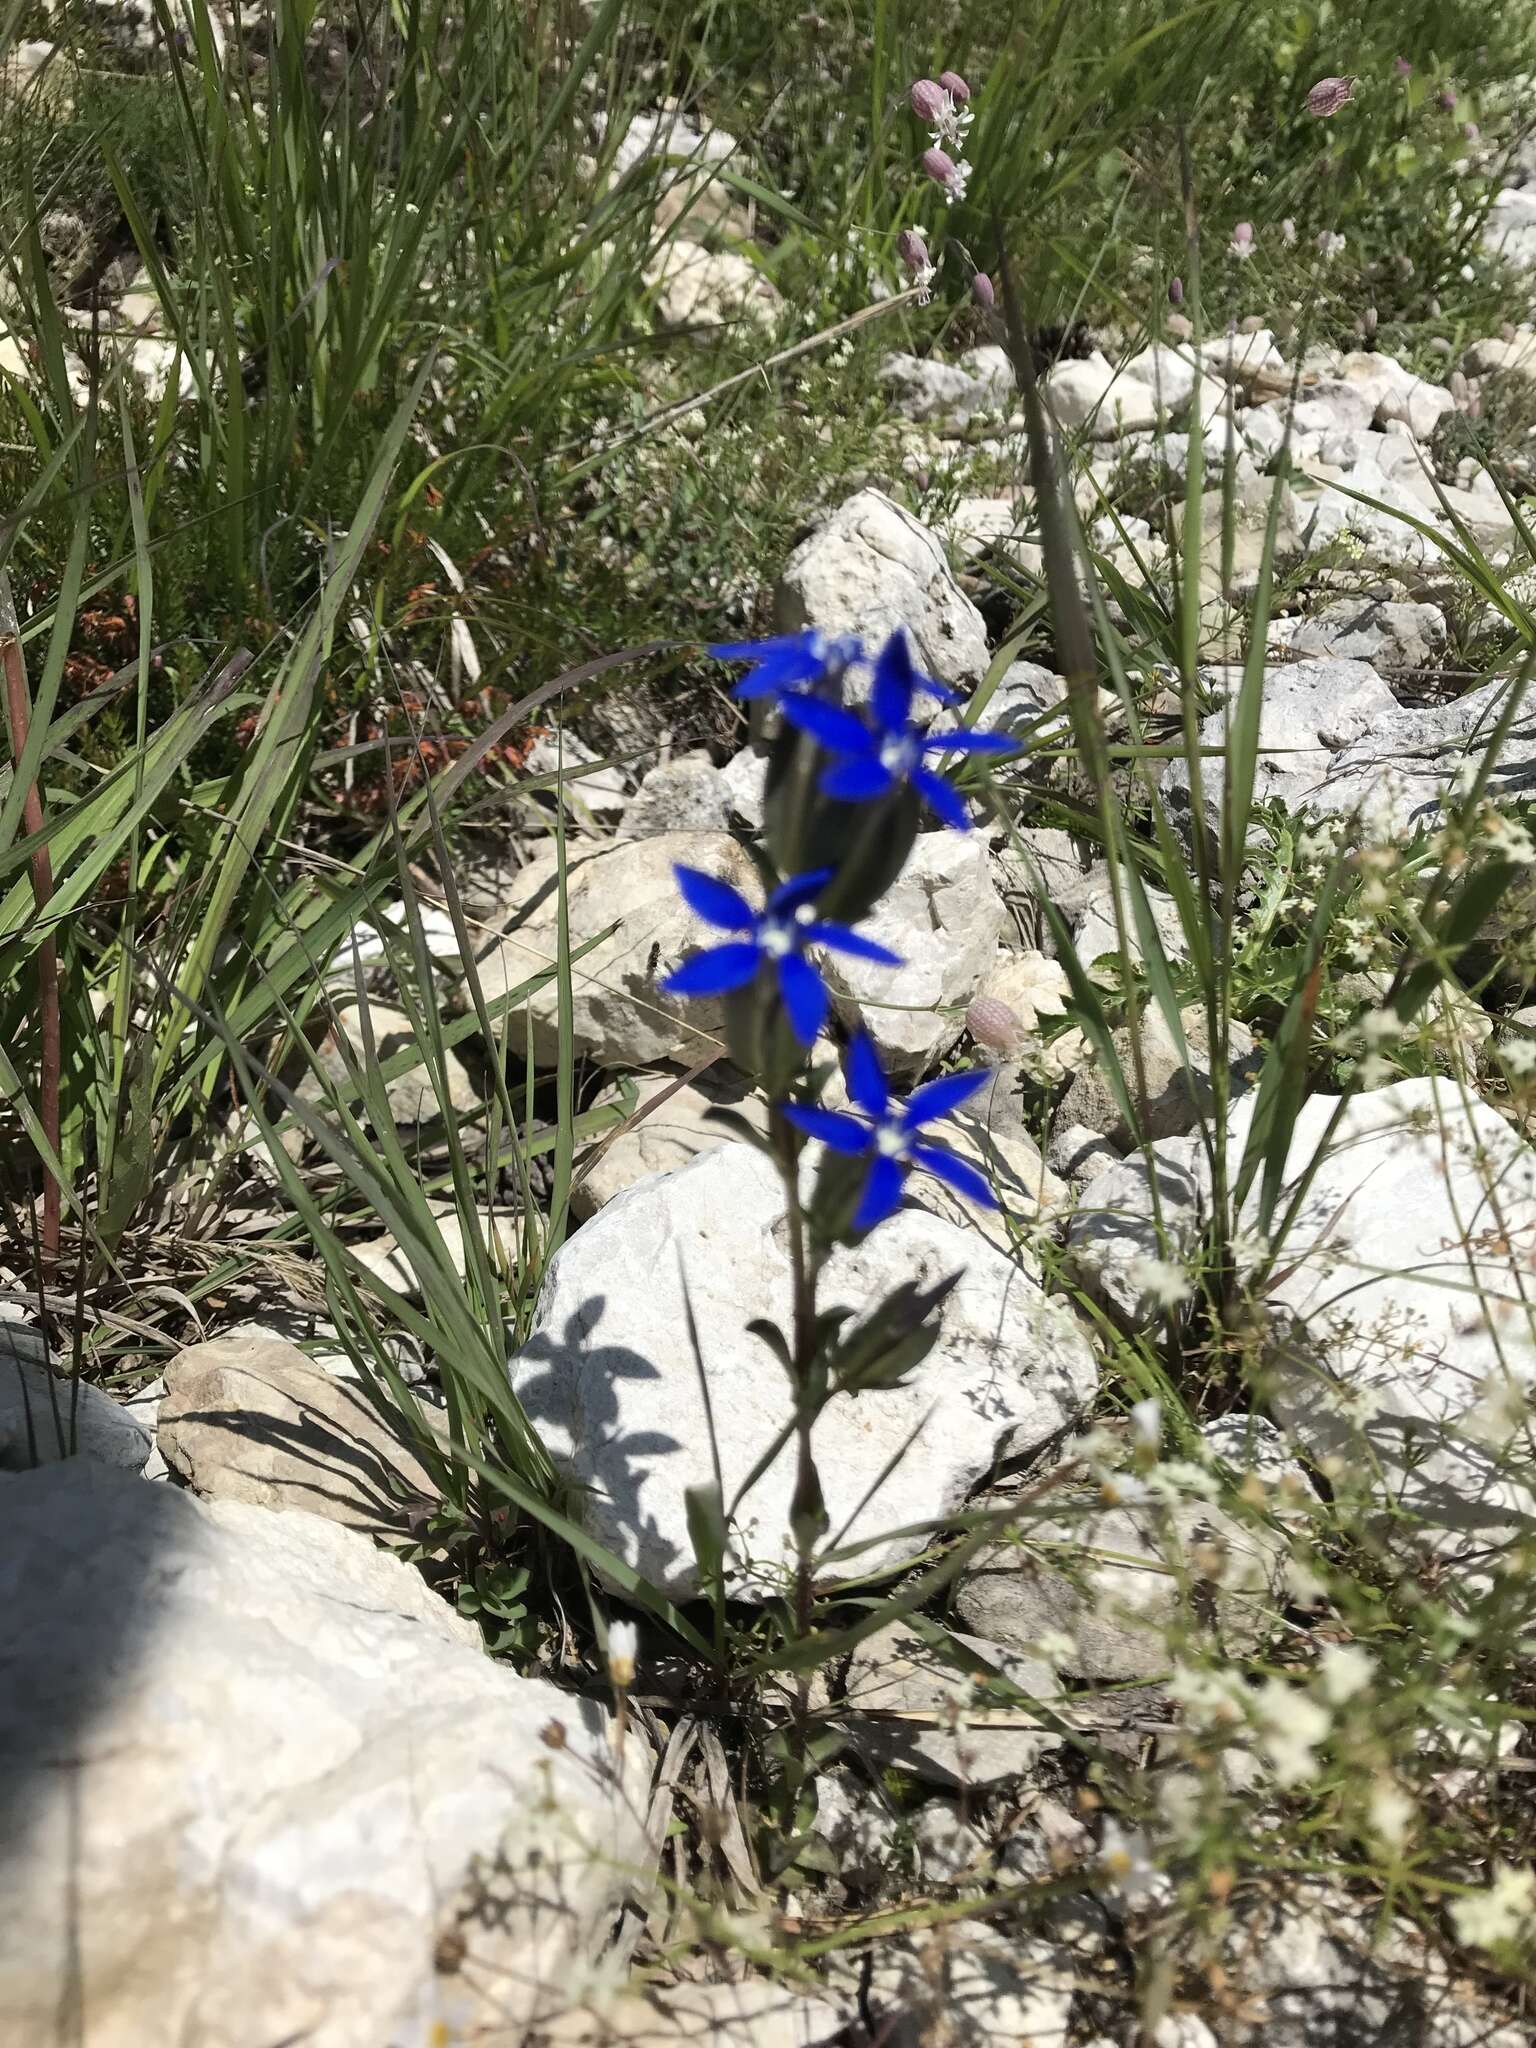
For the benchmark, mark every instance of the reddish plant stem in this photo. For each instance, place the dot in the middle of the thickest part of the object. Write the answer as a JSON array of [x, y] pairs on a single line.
[[18, 718]]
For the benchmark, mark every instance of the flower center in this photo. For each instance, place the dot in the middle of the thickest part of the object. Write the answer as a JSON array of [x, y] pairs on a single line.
[[891, 1141], [777, 940], [900, 754]]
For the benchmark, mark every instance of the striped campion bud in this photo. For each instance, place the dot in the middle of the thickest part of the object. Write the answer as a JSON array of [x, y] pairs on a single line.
[[1328, 95], [955, 86], [927, 98], [994, 1023], [982, 292]]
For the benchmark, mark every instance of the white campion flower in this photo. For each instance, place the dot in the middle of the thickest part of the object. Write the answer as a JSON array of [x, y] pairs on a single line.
[[623, 1650], [1504, 1912], [1147, 1423], [1343, 1670], [1125, 1857]]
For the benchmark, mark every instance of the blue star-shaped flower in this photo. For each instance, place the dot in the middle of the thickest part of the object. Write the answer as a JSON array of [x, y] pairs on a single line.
[[778, 934], [790, 662], [885, 751], [889, 1138], [793, 663]]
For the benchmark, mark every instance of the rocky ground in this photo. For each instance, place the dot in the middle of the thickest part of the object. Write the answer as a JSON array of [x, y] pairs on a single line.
[[266, 1784]]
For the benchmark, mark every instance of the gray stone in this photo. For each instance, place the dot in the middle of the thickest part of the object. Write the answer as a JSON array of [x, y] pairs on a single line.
[[871, 567], [915, 1708], [1251, 360], [699, 288], [1394, 1323], [1091, 393], [1094, 932], [254, 1420], [1125, 1584], [618, 1017], [46, 1417], [258, 1770], [411, 1095], [1134, 1212], [856, 1825], [1394, 775], [684, 795], [671, 1126], [1322, 1973], [1079, 1155], [949, 1850], [610, 1379], [923, 388], [757, 2012], [970, 1983], [744, 779], [1178, 1090], [1045, 862], [943, 919], [1312, 711], [1391, 637], [1496, 357], [591, 793]]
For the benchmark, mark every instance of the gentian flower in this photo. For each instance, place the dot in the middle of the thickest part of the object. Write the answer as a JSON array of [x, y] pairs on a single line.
[[789, 661], [890, 1138], [887, 752], [776, 935]]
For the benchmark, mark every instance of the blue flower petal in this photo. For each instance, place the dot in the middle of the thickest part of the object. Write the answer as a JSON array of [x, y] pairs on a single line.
[[882, 1192], [944, 802], [714, 972], [890, 696], [938, 1098], [799, 889], [866, 1077], [856, 779], [715, 901], [970, 743], [842, 938], [957, 1173], [831, 1128], [805, 997], [838, 730]]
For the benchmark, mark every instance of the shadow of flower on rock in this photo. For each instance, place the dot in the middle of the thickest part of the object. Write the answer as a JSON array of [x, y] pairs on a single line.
[[570, 1389]]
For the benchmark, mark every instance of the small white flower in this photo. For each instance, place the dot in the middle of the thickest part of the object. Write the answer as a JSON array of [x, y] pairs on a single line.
[[1390, 1812], [1501, 1913], [1166, 1283], [1147, 1423], [1343, 1670], [1330, 245], [1291, 1728], [1519, 1056], [1125, 1858], [623, 1650]]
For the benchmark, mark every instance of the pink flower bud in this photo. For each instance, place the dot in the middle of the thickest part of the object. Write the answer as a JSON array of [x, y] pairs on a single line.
[[1402, 67], [1175, 291], [955, 86], [912, 250], [1448, 98], [982, 292], [927, 99], [938, 165], [1242, 234], [1471, 131], [1328, 95], [994, 1023]]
